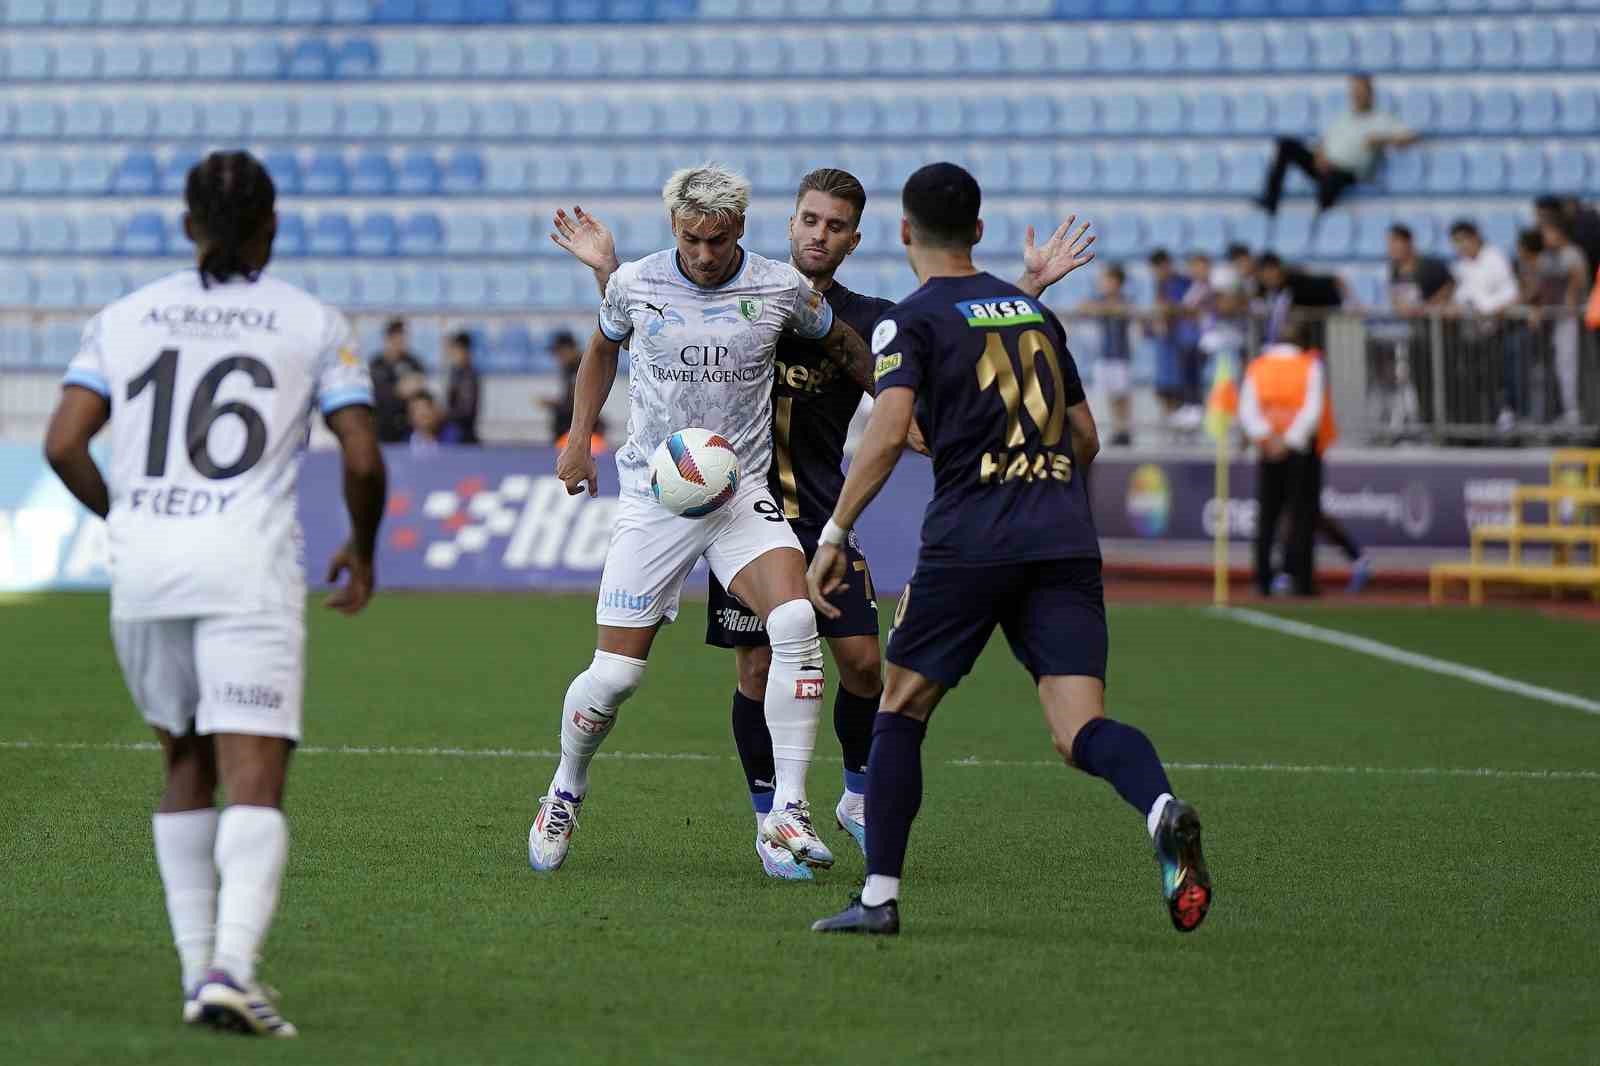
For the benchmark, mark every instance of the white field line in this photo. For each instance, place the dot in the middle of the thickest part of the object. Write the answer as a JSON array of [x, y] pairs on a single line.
[[1379, 650], [970, 761]]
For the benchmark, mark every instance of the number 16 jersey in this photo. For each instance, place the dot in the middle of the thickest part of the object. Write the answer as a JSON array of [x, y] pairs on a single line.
[[212, 391]]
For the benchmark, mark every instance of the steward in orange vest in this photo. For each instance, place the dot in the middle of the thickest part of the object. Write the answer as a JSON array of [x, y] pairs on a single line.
[[1282, 410]]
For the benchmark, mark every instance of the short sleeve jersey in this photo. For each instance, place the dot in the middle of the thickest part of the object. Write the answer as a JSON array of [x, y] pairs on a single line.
[[704, 357], [813, 401], [993, 379], [212, 391]]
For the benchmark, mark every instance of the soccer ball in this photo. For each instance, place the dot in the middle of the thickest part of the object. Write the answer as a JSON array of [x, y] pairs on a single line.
[[694, 472]]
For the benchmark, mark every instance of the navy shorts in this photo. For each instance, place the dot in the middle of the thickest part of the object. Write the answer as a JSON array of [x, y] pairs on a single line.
[[730, 624], [1053, 613]]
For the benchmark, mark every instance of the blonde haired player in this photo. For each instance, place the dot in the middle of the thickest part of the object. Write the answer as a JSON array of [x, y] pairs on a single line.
[[702, 321], [208, 380]]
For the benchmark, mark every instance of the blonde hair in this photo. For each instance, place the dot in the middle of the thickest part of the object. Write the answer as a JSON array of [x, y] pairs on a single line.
[[709, 190]]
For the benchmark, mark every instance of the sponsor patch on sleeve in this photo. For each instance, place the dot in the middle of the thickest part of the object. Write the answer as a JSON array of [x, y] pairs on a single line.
[[885, 364]]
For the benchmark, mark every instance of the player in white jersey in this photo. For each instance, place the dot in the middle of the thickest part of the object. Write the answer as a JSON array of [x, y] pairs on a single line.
[[702, 321], [208, 380]]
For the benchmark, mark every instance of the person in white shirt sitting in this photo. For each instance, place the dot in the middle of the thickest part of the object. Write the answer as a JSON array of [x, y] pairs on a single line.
[[1348, 152]]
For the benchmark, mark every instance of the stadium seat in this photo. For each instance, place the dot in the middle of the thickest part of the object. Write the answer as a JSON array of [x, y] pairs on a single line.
[[1162, 172], [1246, 49], [463, 174], [292, 239], [217, 61], [1580, 110], [42, 175], [1026, 52], [423, 288], [136, 175], [1458, 48], [408, 118], [398, 12], [1458, 109], [1295, 112], [175, 171], [330, 236], [377, 235], [511, 347], [1526, 170], [1569, 169], [1290, 49], [463, 236], [260, 60], [29, 61], [547, 172], [317, 118], [166, 12], [1165, 115], [591, 117], [454, 119], [97, 234], [13, 236], [1486, 171], [1497, 111], [1334, 48], [1209, 114], [494, 58], [355, 59], [339, 286], [1208, 233], [1499, 50], [224, 119], [304, 12], [324, 176], [49, 233], [1244, 171], [1204, 173], [272, 118], [1252, 113], [540, 58], [418, 175], [1580, 46], [1119, 169], [16, 339], [1376, 47], [284, 168], [177, 119], [145, 234], [1122, 113], [445, 57], [399, 59], [102, 286], [1418, 49], [1404, 173], [1446, 170], [310, 60], [903, 116], [501, 120], [507, 175], [77, 61], [1538, 47], [362, 120], [36, 120], [1203, 50], [380, 288], [1539, 110], [371, 175]]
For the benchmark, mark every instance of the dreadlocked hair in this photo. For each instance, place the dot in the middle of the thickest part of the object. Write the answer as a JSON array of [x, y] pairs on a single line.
[[230, 198]]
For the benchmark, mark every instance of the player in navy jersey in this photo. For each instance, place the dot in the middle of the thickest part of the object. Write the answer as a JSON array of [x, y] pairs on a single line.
[[1008, 539], [813, 402]]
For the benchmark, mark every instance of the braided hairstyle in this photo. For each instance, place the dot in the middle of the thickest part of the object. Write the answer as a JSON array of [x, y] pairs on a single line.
[[230, 198]]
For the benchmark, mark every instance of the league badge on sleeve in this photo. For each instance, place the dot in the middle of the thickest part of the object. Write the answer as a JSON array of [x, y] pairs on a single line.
[[883, 334]]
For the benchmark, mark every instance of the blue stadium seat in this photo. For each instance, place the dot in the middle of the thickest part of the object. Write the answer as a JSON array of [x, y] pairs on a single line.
[[1167, 229], [284, 168], [102, 286], [942, 116], [1458, 110], [29, 61], [408, 118], [1165, 115], [260, 12], [988, 116], [1122, 113], [13, 236], [380, 287], [1244, 170], [136, 175], [1569, 169], [217, 61], [1290, 49], [507, 175], [1291, 235], [309, 60], [175, 171], [511, 347], [418, 175], [1162, 172], [540, 57], [1158, 50], [1419, 109], [1252, 113], [1026, 53], [377, 235], [1077, 115], [1498, 49], [1204, 173], [177, 119], [1295, 112], [1372, 236], [292, 238], [1580, 110], [362, 120], [1458, 48], [1203, 50], [49, 233], [169, 60], [1497, 111], [463, 173], [858, 118], [557, 288], [1526, 169], [215, 13], [1246, 49], [1419, 49], [546, 118], [1446, 169], [501, 120], [355, 59], [1334, 48], [1539, 110], [145, 234], [59, 339], [73, 12], [1404, 173], [1122, 234], [260, 60], [324, 176], [1118, 51], [592, 118], [1376, 47], [547, 172], [1209, 113], [338, 286], [1486, 171], [97, 234], [36, 120], [465, 235], [42, 175], [166, 12], [454, 119], [1580, 46], [89, 175], [1119, 169], [495, 58], [1538, 47], [468, 287], [77, 61], [399, 12], [316, 118], [445, 57], [272, 118], [981, 52], [16, 339], [399, 58], [225, 119], [371, 175], [330, 236], [423, 288]]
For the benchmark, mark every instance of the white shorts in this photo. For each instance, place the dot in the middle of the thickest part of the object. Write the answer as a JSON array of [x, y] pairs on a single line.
[[228, 673], [653, 550]]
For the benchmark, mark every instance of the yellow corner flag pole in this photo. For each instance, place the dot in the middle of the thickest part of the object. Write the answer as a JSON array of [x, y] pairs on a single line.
[[1221, 405]]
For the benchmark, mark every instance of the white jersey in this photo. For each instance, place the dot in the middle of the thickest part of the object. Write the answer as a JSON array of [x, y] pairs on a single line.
[[212, 392], [704, 357]]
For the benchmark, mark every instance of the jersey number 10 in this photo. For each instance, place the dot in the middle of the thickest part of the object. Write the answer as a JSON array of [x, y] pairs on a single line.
[[203, 413], [995, 370]]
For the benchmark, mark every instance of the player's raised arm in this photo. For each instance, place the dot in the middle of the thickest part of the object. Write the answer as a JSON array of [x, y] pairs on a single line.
[[78, 416], [587, 240], [1048, 263], [366, 486]]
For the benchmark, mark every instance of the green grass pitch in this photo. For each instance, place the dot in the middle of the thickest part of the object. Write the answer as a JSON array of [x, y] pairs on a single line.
[[1369, 916]]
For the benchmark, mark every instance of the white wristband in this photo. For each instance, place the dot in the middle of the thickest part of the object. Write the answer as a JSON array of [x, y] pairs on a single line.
[[832, 534]]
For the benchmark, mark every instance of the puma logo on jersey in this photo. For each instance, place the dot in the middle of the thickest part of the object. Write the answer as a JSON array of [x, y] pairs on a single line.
[[662, 310]]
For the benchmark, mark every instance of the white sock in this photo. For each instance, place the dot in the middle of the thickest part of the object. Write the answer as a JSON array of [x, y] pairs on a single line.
[[1153, 819], [589, 712], [879, 890], [185, 841], [252, 849], [794, 696]]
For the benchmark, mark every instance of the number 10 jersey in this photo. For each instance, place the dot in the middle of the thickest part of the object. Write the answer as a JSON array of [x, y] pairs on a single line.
[[212, 391]]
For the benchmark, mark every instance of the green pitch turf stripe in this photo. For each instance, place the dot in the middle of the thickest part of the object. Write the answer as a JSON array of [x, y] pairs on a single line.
[[1379, 650], [692, 756]]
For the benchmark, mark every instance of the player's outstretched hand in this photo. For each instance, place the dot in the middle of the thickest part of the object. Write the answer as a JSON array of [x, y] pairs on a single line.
[[586, 238], [1064, 252], [826, 577], [575, 466], [356, 592]]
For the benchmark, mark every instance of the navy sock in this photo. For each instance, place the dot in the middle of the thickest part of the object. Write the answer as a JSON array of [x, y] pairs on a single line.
[[1125, 757], [852, 721], [755, 750], [894, 783]]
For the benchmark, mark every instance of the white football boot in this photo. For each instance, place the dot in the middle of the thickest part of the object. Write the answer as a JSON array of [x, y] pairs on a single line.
[[851, 814], [191, 1006], [249, 1009], [551, 834], [779, 864], [790, 828]]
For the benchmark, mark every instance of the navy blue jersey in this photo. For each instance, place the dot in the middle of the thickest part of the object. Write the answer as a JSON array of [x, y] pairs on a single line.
[[993, 379], [813, 400]]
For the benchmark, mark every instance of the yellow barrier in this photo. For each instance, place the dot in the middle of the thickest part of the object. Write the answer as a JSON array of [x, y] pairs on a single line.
[[1476, 574]]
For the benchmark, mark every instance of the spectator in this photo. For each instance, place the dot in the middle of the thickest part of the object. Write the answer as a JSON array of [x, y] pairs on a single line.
[[1583, 223], [1416, 281], [1233, 280], [1174, 330], [1563, 284], [1285, 289], [1280, 410], [428, 426], [396, 376], [1486, 286], [461, 390], [1200, 301], [1348, 152], [1116, 348], [564, 347]]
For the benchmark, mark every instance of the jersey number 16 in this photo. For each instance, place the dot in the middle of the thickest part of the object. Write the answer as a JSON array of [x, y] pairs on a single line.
[[203, 413]]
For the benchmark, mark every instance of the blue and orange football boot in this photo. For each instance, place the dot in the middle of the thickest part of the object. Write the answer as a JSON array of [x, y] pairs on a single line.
[[1185, 882]]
